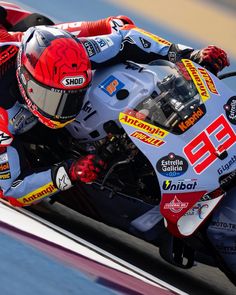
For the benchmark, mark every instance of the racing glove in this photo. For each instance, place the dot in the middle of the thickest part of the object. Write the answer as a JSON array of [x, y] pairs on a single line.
[[212, 58], [86, 169]]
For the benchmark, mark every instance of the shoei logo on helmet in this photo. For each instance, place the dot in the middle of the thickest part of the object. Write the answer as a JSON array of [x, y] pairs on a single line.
[[73, 81]]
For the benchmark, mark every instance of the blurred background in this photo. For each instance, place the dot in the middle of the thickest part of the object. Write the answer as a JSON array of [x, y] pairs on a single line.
[[197, 23]]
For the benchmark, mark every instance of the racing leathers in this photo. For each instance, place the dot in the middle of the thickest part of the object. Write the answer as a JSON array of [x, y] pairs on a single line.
[[108, 41]]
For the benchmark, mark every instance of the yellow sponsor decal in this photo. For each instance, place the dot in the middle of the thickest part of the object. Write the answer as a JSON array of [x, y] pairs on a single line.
[[154, 37], [147, 139], [139, 124], [38, 194], [5, 176], [193, 72], [209, 82], [4, 167]]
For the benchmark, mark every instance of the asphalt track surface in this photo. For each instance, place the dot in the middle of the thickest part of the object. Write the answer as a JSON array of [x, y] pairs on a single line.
[[195, 23], [199, 280]]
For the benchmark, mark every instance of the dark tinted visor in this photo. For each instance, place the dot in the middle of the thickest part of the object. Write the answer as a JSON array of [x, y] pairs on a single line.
[[54, 103]]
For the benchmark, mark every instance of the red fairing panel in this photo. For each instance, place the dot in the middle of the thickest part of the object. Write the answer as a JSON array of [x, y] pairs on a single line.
[[14, 13]]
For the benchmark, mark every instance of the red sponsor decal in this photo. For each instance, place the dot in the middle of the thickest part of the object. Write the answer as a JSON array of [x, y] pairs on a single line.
[[147, 139], [202, 151], [176, 205]]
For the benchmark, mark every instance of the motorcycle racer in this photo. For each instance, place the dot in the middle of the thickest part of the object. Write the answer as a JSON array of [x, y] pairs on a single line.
[[45, 73]]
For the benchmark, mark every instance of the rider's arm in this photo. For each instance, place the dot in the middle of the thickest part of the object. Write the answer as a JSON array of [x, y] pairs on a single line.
[[138, 45], [95, 28], [84, 28], [121, 29], [21, 185], [131, 43]]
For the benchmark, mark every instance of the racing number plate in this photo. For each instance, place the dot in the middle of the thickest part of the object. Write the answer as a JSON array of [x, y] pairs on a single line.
[[202, 151]]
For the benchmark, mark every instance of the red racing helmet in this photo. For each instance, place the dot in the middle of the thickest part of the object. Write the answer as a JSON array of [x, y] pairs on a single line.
[[53, 73]]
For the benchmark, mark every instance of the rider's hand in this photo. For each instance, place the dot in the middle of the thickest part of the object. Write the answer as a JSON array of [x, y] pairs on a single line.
[[86, 169], [212, 58]]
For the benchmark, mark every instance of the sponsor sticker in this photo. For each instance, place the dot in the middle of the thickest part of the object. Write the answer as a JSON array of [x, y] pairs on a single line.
[[227, 226], [227, 165], [147, 139], [209, 82], [142, 125], [22, 119], [193, 72], [38, 194], [191, 120], [195, 216], [146, 44], [175, 205], [230, 110], [4, 176], [89, 48], [103, 43], [73, 81], [199, 209], [3, 157], [111, 85], [172, 165], [153, 37], [4, 167], [180, 185]]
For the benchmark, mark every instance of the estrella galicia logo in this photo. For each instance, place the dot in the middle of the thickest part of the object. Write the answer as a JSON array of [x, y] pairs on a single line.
[[172, 165], [230, 110]]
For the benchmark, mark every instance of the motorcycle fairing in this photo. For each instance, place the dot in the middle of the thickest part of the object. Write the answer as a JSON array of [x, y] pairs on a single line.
[[166, 116], [207, 146], [194, 217]]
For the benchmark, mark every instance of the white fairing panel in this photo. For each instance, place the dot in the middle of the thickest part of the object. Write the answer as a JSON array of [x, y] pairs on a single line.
[[111, 91]]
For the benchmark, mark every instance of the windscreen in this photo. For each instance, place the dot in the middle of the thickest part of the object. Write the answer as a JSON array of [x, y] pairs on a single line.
[[175, 104]]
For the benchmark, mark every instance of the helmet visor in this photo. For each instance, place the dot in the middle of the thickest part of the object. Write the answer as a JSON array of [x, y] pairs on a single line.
[[54, 103]]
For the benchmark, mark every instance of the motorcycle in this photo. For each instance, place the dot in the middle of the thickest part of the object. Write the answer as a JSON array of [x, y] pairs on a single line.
[[168, 133]]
